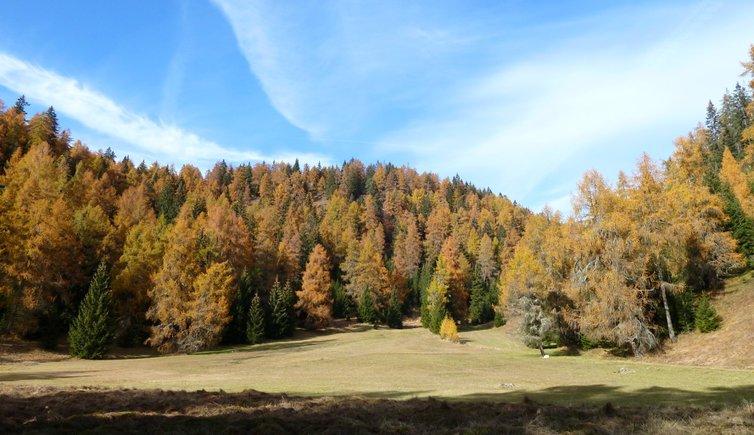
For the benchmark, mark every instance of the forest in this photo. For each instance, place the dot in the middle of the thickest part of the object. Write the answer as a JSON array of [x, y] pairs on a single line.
[[103, 250]]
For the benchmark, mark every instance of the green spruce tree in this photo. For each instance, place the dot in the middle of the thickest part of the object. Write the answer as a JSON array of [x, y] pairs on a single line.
[[706, 317], [480, 310], [393, 317], [342, 307], [93, 330], [282, 300], [367, 311], [237, 329], [435, 305], [255, 324]]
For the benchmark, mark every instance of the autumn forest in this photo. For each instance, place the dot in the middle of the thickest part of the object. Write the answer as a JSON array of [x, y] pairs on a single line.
[[184, 261]]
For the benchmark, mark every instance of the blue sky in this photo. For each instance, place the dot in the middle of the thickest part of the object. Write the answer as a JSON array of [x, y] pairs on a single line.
[[521, 97]]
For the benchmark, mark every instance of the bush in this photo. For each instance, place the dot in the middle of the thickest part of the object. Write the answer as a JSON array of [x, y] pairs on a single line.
[[707, 319], [449, 331], [499, 318], [93, 330]]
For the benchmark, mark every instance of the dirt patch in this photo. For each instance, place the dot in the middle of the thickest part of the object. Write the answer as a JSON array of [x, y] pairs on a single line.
[[98, 410]]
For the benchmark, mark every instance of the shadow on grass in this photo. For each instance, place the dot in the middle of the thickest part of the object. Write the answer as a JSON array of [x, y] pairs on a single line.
[[290, 344], [15, 377], [100, 410], [482, 327], [565, 351], [136, 352], [599, 393]]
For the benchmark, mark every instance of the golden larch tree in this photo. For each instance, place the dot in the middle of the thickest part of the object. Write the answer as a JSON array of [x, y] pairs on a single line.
[[314, 299]]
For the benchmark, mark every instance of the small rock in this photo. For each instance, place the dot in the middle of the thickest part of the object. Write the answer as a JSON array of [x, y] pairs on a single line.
[[508, 385], [546, 356]]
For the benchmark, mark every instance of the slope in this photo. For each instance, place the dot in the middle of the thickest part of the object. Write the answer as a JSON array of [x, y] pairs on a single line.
[[731, 345]]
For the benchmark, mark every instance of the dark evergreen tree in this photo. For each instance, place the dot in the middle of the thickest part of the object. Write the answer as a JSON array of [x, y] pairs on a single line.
[[706, 317], [93, 330], [52, 117], [282, 322], [21, 105], [342, 307], [255, 324], [742, 226], [712, 122], [236, 332], [734, 120], [420, 282], [480, 309], [170, 199], [367, 311], [393, 317]]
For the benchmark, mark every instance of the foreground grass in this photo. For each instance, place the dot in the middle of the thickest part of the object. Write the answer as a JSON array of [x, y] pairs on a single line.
[[401, 364], [97, 410]]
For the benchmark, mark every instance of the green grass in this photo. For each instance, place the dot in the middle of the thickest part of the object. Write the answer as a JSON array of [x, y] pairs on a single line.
[[402, 364]]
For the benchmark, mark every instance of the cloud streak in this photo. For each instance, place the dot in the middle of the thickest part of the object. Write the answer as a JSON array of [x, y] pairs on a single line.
[[99, 113], [339, 69], [517, 106], [515, 127]]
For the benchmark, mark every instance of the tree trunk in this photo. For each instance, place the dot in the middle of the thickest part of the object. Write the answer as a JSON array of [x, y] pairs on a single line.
[[664, 294], [541, 349]]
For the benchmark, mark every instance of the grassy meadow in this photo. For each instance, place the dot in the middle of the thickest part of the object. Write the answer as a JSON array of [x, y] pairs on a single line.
[[357, 360]]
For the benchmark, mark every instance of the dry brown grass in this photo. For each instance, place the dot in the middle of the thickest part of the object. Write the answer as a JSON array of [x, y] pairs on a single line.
[[98, 410], [730, 346]]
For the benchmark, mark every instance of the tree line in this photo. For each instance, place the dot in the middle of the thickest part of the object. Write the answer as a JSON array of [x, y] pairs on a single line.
[[250, 251]]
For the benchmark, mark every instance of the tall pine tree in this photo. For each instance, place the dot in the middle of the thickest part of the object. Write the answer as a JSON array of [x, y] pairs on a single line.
[[93, 330], [282, 322], [255, 324]]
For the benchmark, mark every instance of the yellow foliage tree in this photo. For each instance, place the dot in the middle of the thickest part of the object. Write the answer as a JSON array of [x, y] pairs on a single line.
[[732, 174], [449, 330], [40, 255], [314, 299], [452, 268]]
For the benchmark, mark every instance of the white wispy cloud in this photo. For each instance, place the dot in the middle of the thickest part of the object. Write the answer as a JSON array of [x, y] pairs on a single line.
[[149, 139], [335, 69], [514, 127], [518, 107]]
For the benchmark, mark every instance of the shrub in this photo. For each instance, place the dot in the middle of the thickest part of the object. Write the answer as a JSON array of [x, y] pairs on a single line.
[[707, 319], [449, 331], [499, 318], [93, 330]]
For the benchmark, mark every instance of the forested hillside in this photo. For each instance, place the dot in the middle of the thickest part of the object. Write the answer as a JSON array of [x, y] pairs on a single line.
[[254, 250]]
